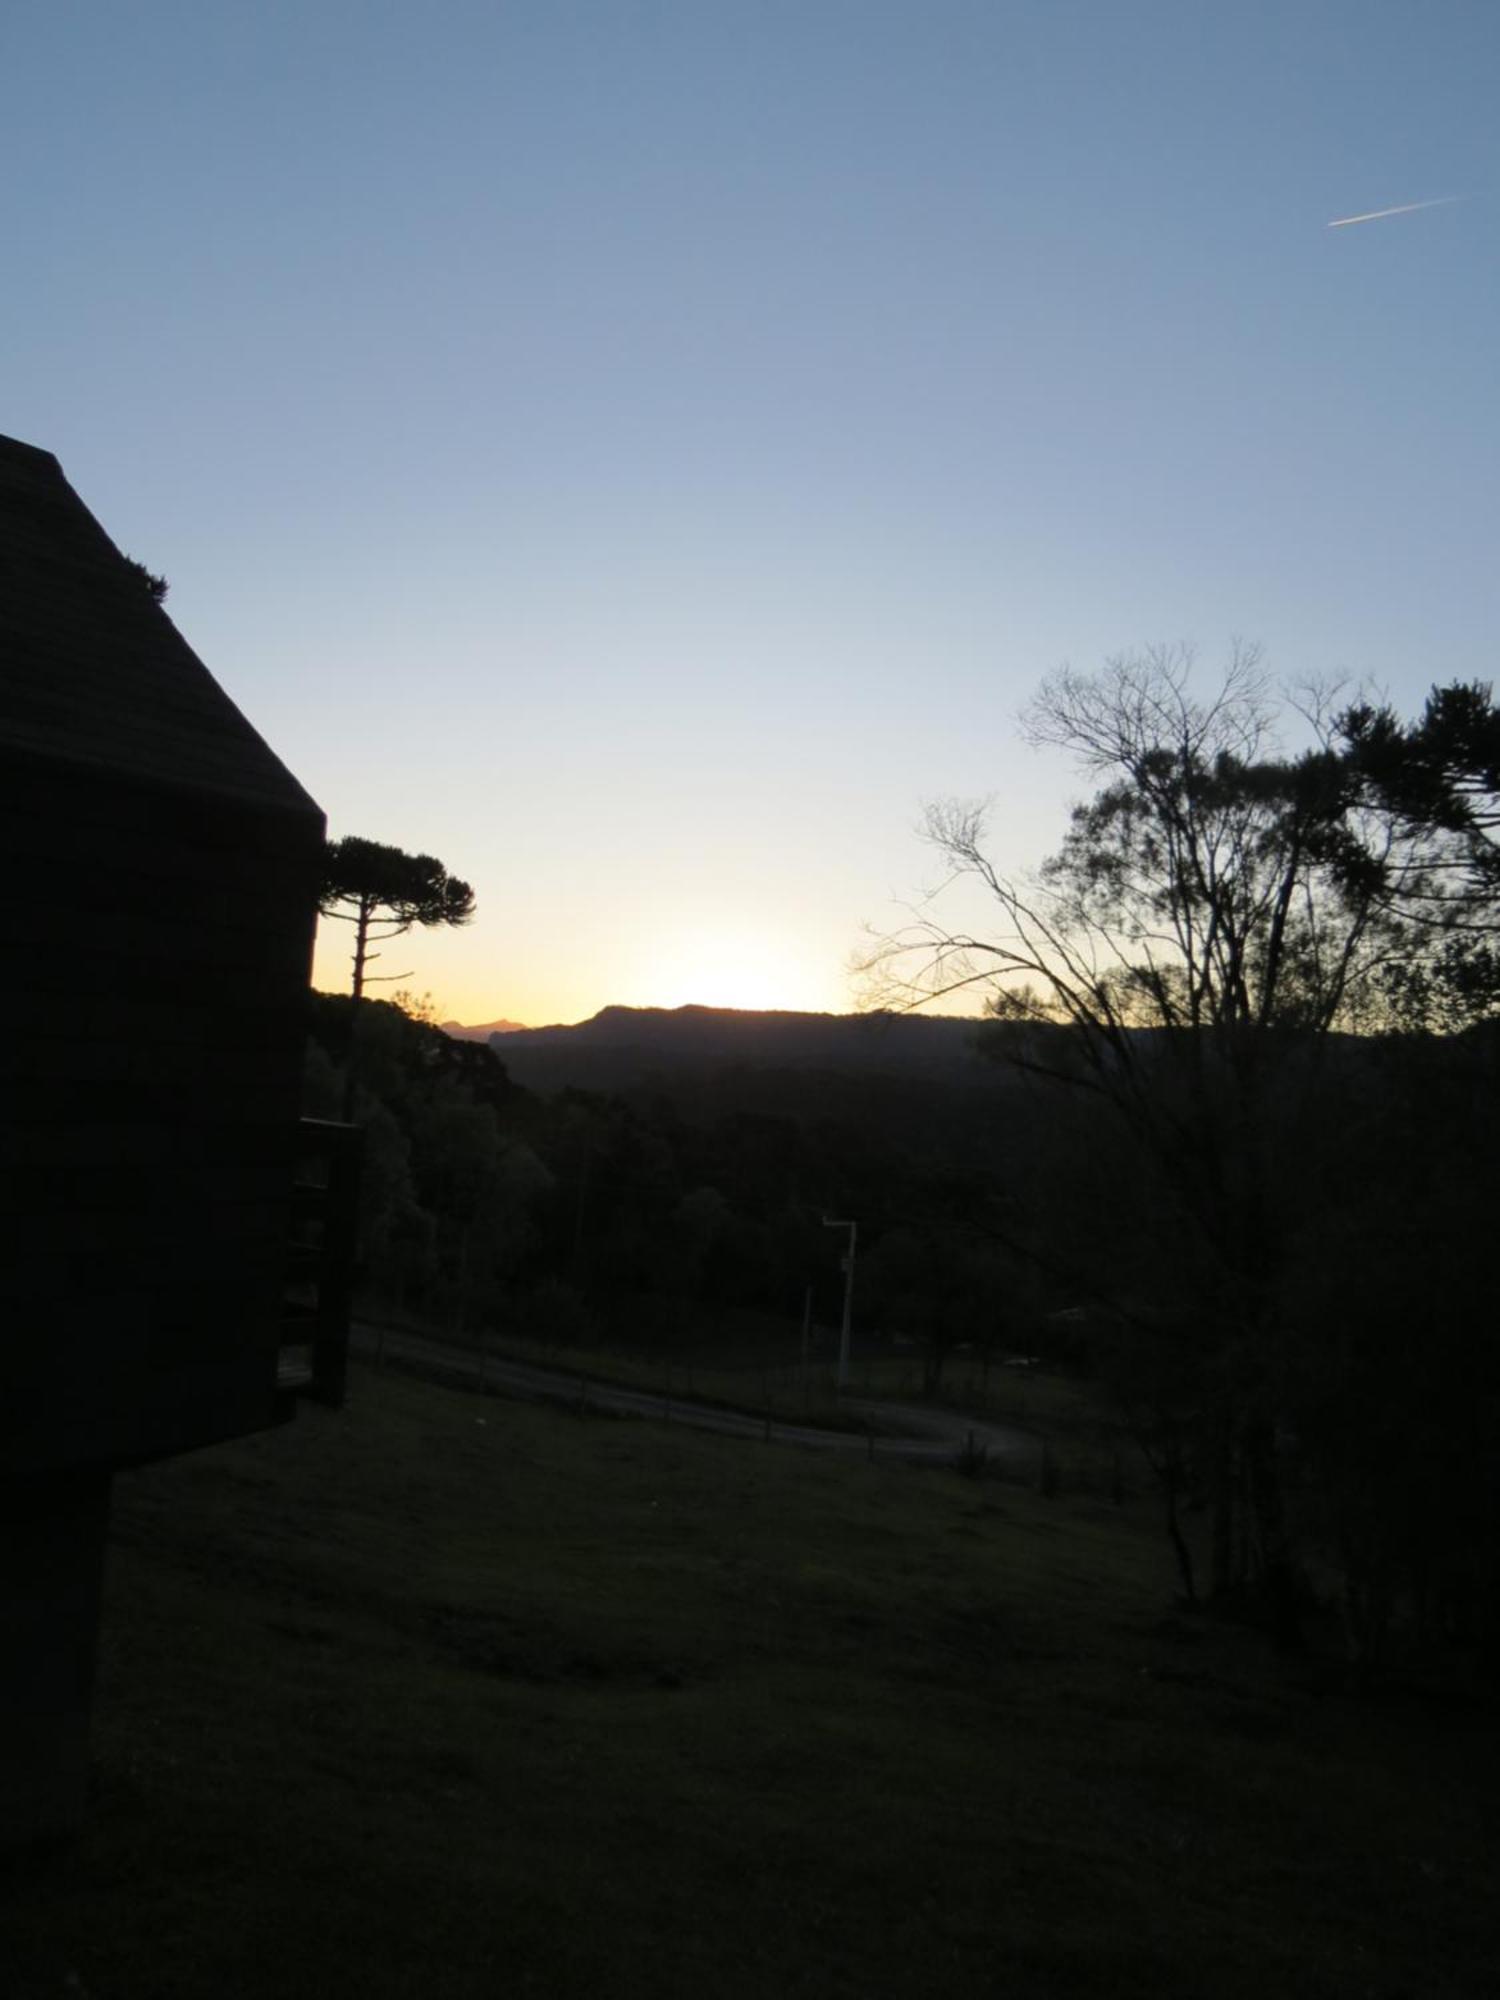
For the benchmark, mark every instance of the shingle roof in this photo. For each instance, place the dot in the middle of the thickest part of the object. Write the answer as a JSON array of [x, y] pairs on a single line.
[[92, 671]]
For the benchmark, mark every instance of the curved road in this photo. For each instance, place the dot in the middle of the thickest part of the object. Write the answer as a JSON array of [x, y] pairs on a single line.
[[928, 1435]]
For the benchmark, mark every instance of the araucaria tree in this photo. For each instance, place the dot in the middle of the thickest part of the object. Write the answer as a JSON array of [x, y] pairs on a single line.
[[1441, 774], [384, 893]]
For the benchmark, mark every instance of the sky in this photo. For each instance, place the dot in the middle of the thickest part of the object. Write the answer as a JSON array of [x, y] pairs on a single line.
[[640, 453]]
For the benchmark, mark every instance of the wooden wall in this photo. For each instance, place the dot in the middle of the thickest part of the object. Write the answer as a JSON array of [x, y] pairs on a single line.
[[160, 872], [149, 1078]]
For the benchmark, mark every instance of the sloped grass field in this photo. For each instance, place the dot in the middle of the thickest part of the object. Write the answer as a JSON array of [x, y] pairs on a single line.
[[461, 1697]]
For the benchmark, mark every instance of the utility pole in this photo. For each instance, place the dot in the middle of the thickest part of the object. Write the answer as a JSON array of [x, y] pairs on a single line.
[[842, 1222]]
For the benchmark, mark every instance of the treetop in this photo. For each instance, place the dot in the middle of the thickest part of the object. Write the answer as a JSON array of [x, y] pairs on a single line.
[[409, 888]]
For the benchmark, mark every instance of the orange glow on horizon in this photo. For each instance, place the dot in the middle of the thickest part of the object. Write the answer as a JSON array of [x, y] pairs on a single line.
[[717, 966]]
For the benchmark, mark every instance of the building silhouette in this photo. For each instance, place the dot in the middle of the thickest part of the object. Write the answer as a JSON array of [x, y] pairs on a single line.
[[161, 869]]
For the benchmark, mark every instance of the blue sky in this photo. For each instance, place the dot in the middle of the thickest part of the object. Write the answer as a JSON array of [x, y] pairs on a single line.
[[639, 453]]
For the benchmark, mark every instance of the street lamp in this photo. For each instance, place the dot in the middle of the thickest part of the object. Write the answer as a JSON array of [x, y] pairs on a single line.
[[840, 1222]]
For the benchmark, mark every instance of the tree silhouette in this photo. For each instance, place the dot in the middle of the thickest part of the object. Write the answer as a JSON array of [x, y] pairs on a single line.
[[1440, 777], [156, 587], [384, 892], [1216, 913]]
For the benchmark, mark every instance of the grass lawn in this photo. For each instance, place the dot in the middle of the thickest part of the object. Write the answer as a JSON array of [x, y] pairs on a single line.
[[1088, 1441], [458, 1697], [698, 1374]]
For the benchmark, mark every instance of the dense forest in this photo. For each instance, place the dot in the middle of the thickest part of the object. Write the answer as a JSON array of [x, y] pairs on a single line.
[[694, 1197]]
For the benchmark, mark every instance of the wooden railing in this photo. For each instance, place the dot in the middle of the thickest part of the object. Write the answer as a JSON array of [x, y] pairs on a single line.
[[314, 1354]]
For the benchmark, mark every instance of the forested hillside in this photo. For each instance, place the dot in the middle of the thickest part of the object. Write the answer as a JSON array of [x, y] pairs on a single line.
[[1018, 1217], [699, 1189], [635, 1048]]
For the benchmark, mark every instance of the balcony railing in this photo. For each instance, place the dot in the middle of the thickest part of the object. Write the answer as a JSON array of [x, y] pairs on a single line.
[[314, 1355]]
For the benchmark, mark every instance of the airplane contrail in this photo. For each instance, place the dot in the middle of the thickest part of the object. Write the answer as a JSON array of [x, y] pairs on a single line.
[[1406, 208]]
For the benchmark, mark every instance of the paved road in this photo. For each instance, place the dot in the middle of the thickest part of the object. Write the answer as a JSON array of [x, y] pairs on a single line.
[[923, 1434]]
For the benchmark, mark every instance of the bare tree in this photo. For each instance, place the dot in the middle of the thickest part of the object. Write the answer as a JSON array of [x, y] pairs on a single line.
[[1210, 882], [1216, 909]]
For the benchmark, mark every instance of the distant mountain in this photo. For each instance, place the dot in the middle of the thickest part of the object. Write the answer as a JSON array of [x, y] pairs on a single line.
[[629, 1049], [482, 1032]]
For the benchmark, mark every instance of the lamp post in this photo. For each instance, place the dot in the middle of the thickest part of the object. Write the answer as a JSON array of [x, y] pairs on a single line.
[[841, 1222]]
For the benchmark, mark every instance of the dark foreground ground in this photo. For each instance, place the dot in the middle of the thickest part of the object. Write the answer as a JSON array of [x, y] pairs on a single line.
[[458, 1698]]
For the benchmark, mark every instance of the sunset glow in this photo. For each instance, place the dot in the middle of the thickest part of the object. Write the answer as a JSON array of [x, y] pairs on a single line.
[[641, 465], [725, 968]]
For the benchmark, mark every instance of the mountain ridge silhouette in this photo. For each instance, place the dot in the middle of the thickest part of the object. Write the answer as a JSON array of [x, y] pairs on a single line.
[[622, 1048]]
